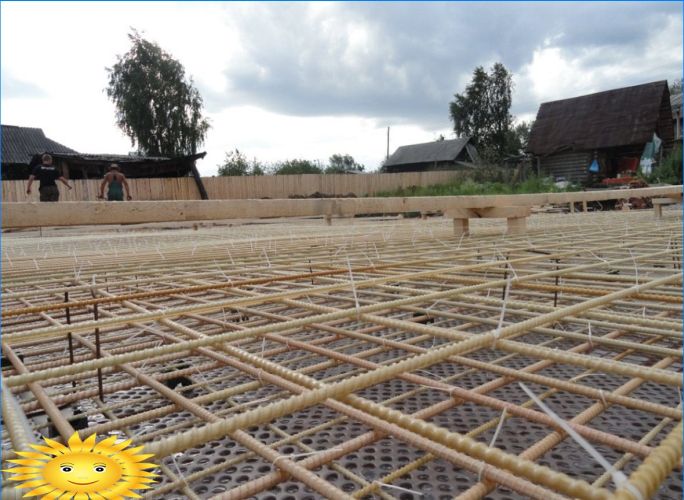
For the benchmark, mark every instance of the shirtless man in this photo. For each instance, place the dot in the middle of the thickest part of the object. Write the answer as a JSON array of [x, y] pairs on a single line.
[[117, 184]]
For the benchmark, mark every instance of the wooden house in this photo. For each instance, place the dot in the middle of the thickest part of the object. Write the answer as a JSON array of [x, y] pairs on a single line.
[[676, 104], [438, 155], [612, 127]]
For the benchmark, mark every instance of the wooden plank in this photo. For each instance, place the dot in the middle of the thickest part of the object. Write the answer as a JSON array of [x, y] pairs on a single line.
[[488, 213], [79, 213], [666, 201]]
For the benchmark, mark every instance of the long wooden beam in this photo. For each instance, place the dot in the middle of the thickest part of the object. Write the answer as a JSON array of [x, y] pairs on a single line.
[[16, 215]]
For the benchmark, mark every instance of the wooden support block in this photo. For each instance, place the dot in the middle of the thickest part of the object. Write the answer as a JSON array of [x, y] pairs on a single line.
[[459, 213], [658, 209], [572, 207], [423, 216], [584, 206], [328, 220], [461, 227], [516, 225], [666, 201], [502, 212]]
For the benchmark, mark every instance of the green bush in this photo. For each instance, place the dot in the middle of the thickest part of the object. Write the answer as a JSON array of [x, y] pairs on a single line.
[[482, 183], [670, 170], [297, 166]]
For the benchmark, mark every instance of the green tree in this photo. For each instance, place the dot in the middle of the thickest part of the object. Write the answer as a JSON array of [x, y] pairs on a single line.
[[291, 167], [342, 164], [236, 164], [482, 112], [518, 138], [257, 168], [676, 86], [156, 106]]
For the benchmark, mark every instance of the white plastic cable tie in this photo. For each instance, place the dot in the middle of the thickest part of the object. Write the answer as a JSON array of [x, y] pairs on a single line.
[[497, 332], [508, 264], [431, 375], [180, 474], [204, 380], [266, 255], [643, 313], [459, 241], [400, 488], [618, 477], [603, 398], [256, 401], [263, 346], [591, 343], [636, 270], [496, 435], [431, 306], [368, 258], [597, 257], [353, 286]]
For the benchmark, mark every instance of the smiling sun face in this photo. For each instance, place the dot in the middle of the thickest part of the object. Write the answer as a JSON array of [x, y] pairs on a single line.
[[82, 472], [84, 468]]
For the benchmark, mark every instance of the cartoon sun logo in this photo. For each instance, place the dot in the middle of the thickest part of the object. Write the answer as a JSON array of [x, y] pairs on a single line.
[[83, 470]]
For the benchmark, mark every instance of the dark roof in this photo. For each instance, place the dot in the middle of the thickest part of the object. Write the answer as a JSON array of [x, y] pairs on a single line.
[[131, 165], [618, 117], [121, 159], [437, 151], [20, 144]]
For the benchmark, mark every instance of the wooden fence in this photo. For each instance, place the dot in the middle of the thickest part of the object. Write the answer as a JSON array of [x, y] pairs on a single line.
[[231, 188]]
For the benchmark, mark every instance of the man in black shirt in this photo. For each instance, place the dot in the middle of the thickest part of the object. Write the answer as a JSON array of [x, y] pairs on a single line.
[[47, 174]]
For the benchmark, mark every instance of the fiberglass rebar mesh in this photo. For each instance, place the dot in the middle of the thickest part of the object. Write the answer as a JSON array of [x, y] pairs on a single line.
[[368, 359]]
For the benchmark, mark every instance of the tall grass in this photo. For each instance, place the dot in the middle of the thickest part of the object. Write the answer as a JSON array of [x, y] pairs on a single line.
[[485, 181]]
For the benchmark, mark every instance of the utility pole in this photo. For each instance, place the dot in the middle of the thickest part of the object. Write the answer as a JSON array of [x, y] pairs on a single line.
[[387, 156]]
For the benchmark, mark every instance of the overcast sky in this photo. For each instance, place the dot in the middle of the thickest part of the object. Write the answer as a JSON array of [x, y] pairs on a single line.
[[308, 80]]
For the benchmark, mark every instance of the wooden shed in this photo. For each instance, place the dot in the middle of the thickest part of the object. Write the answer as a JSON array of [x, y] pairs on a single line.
[[19, 147], [676, 104], [612, 126], [94, 166], [438, 155]]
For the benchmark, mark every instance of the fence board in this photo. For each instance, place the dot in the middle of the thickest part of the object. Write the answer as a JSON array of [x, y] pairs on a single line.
[[231, 188]]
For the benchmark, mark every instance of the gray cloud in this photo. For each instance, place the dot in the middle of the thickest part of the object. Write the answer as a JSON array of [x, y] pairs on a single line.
[[402, 62], [14, 88]]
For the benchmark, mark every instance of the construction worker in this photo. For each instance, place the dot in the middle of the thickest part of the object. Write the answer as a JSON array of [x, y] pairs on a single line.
[[47, 175], [117, 184]]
